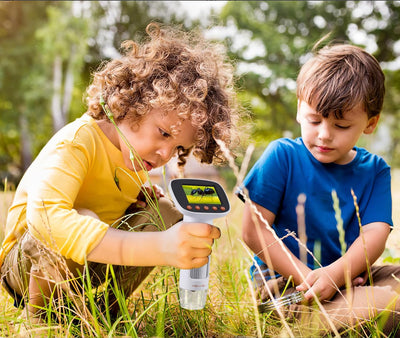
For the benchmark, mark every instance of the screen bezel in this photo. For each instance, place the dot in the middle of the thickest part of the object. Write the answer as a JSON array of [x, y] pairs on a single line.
[[177, 187]]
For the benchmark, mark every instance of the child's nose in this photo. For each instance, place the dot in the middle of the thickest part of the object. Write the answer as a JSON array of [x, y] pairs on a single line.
[[324, 132], [166, 153]]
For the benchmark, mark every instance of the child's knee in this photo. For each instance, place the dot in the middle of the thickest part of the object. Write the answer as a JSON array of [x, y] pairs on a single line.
[[154, 217], [169, 212]]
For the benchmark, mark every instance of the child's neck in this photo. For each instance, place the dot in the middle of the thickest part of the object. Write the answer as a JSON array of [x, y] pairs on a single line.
[[350, 157], [109, 130]]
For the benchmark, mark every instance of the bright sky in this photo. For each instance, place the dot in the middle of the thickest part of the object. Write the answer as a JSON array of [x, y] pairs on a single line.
[[198, 9]]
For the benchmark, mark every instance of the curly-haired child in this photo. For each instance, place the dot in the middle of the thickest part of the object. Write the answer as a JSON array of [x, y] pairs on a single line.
[[170, 95]]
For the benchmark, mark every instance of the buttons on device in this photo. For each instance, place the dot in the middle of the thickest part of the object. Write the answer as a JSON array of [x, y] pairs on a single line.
[[205, 208]]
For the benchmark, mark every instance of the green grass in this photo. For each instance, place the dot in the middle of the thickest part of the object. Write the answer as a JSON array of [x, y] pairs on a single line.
[[154, 311]]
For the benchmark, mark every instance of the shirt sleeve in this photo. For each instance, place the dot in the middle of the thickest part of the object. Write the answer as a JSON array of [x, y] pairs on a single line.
[[378, 207], [50, 214], [266, 181]]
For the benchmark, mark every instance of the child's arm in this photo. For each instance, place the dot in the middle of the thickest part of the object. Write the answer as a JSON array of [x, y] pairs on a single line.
[[185, 245], [325, 281], [261, 240]]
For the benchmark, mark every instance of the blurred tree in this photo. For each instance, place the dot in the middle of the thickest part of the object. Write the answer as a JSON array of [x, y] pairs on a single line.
[[118, 21], [21, 86], [272, 39], [48, 51], [63, 41], [50, 48]]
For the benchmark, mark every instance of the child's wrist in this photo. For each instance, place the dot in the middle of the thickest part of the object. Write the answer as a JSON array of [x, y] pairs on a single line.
[[160, 243]]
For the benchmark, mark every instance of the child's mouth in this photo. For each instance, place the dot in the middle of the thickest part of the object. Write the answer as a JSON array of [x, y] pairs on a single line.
[[324, 149], [148, 166]]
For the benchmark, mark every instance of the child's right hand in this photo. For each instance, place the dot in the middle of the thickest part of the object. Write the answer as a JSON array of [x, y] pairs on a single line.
[[188, 245], [321, 282]]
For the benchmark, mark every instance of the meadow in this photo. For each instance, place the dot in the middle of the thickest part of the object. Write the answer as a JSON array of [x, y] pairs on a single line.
[[154, 311]]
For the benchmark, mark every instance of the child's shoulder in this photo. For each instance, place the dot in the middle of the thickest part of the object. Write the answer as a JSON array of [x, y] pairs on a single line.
[[289, 142], [81, 129], [82, 132], [368, 159], [283, 150], [286, 145]]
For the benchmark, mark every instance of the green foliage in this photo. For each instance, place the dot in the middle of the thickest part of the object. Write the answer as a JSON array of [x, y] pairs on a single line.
[[392, 104], [269, 43], [32, 34], [22, 87], [390, 256], [272, 39]]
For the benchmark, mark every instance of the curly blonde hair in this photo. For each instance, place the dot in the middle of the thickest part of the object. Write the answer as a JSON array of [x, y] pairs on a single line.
[[180, 72]]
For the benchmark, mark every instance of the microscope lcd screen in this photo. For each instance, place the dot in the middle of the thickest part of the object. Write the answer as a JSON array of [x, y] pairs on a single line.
[[201, 194]]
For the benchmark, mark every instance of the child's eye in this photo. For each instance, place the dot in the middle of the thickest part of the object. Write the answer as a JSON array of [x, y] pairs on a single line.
[[314, 122], [342, 127], [164, 133]]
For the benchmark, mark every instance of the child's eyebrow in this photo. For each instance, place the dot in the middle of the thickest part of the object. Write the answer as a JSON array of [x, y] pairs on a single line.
[[166, 127], [343, 119], [312, 114]]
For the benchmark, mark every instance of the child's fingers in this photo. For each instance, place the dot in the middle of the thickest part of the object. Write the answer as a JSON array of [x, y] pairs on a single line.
[[158, 190], [301, 287], [141, 204], [203, 230], [199, 262], [304, 288], [201, 242], [309, 295], [155, 191], [200, 253], [307, 285], [358, 281], [308, 292]]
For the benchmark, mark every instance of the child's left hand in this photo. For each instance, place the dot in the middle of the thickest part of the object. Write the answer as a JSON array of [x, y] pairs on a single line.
[[154, 192], [360, 280]]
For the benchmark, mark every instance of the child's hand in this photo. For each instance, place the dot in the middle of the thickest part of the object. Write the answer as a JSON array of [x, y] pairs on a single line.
[[321, 282], [153, 192], [188, 245], [360, 280]]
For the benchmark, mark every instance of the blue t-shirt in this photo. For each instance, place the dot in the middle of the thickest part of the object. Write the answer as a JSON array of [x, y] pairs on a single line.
[[287, 169]]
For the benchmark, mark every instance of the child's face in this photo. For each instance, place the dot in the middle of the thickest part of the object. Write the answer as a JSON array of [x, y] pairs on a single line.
[[153, 140], [331, 140]]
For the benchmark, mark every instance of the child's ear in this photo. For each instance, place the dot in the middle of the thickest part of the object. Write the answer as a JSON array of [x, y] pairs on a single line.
[[372, 123]]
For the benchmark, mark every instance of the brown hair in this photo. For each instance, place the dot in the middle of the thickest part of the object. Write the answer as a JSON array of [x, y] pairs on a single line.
[[340, 77], [180, 72]]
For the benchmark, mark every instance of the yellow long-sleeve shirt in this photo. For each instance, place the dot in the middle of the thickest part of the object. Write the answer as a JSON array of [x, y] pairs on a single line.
[[78, 168]]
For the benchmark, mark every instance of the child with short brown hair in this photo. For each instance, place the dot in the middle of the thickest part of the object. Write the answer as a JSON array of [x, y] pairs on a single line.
[[340, 95], [170, 95]]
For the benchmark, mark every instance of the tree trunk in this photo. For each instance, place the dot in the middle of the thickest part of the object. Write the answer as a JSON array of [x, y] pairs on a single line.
[[69, 83], [56, 110]]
